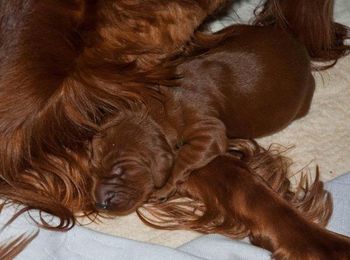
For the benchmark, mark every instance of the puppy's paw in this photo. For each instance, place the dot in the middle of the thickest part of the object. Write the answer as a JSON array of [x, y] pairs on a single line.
[[163, 193]]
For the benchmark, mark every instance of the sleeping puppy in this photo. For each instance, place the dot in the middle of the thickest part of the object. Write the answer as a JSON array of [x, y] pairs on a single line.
[[254, 83]]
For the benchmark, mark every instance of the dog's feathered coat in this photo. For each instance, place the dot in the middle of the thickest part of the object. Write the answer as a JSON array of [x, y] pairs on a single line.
[[65, 65]]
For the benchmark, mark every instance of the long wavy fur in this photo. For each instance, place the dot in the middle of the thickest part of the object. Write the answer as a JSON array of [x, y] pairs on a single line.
[[204, 205]]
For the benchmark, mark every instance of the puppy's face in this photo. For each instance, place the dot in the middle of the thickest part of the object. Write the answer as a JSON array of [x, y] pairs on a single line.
[[131, 158]]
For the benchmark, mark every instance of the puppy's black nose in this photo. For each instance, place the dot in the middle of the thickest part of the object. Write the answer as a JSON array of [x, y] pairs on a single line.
[[103, 199], [105, 190], [103, 206]]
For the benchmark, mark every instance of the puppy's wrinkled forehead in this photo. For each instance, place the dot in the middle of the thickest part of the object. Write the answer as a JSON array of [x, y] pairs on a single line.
[[130, 135], [119, 136], [122, 136], [137, 146]]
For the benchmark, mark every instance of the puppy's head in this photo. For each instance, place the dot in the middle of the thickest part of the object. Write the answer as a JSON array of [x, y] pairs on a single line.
[[131, 158]]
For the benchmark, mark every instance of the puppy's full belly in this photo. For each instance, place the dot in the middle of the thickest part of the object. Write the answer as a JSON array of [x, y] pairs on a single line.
[[257, 82]]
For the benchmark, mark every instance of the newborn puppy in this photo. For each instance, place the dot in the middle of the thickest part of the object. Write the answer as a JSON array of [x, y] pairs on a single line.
[[131, 158], [254, 83]]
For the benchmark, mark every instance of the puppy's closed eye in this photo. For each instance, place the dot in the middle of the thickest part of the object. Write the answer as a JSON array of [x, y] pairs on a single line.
[[117, 171]]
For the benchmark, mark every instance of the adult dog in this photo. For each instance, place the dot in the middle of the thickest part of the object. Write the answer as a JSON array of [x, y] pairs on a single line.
[[66, 65]]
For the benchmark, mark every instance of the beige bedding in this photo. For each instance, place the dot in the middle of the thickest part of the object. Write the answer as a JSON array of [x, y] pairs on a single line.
[[322, 138]]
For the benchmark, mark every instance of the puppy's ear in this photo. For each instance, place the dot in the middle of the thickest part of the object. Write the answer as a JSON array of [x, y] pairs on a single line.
[[95, 149], [162, 169]]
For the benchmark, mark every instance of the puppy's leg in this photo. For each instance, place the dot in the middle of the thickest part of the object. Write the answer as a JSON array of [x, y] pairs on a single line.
[[202, 142]]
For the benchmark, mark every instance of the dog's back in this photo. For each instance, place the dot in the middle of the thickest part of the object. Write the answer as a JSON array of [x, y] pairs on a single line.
[[252, 74]]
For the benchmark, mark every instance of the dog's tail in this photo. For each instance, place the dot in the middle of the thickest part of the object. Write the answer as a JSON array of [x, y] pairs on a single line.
[[210, 201], [312, 23]]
